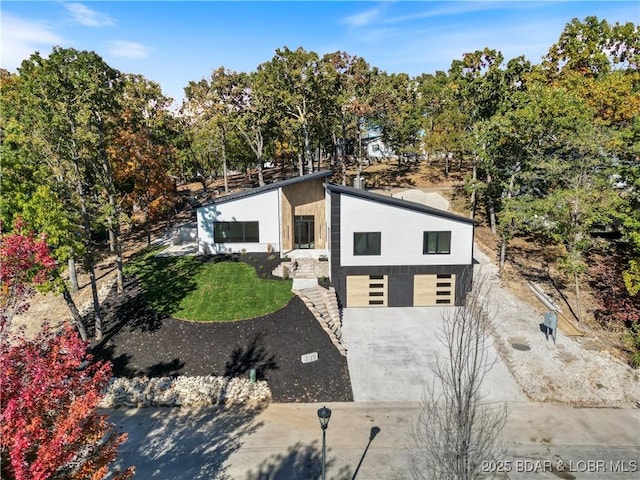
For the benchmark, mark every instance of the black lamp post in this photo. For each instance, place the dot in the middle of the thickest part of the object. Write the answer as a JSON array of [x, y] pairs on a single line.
[[324, 414]]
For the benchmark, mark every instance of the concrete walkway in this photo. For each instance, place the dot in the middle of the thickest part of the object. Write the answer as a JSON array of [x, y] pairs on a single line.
[[366, 441]]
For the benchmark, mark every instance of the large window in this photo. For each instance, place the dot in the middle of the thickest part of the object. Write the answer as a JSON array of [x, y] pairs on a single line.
[[436, 242], [236, 232], [366, 243]]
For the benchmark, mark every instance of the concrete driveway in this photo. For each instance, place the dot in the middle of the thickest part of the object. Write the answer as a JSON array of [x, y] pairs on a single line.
[[391, 352]]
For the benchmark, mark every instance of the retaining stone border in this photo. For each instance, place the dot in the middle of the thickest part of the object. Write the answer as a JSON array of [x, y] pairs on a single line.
[[143, 392], [326, 312]]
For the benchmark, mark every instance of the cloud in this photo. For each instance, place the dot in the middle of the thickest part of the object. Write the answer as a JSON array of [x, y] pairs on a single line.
[[125, 49], [456, 8], [365, 18], [20, 38], [85, 16]]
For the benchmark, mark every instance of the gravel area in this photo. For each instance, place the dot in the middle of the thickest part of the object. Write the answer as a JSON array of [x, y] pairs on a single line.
[[567, 372]]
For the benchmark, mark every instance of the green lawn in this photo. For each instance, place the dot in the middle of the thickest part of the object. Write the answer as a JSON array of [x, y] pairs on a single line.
[[186, 288]]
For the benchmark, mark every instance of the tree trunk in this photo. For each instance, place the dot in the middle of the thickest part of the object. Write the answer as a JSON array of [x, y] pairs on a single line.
[[112, 240], [114, 234], [96, 300], [86, 226], [119, 268], [113, 217], [73, 276], [503, 252], [578, 301], [491, 206], [343, 154], [300, 165], [224, 163], [473, 191], [359, 150], [307, 149], [147, 225], [75, 314], [505, 241], [260, 176]]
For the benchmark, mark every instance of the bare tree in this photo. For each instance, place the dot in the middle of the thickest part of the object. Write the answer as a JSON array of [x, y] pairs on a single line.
[[457, 435]]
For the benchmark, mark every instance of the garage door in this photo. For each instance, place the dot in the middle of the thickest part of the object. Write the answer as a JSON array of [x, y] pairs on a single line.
[[429, 290], [367, 290]]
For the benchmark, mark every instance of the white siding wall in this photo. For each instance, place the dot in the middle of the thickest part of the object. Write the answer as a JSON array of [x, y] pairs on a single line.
[[263, 208], [401, 234]]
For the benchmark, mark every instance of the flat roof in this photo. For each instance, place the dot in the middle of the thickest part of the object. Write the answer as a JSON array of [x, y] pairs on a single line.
[[396, 202], [265, 188]]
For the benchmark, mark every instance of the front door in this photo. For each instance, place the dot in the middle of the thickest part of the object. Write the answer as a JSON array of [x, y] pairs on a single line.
[[303, 236]]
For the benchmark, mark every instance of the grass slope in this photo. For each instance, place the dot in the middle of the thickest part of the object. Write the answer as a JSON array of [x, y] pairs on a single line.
[[189, 289]]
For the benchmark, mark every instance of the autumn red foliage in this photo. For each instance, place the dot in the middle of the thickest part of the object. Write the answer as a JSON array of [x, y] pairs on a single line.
[[49, 387], [616, 305], [25, 261], [50, 428]]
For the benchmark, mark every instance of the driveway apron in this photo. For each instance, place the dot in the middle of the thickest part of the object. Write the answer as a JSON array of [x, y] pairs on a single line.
[[391, 353]]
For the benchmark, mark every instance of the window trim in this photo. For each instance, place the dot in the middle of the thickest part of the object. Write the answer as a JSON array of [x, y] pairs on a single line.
[[236, 239], [368, 236], [440, 236]]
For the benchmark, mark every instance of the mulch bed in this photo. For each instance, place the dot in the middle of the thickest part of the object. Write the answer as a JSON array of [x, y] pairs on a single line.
[[139, 341]]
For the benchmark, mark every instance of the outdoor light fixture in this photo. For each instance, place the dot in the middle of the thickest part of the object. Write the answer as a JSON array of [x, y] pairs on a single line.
[[324, 414]]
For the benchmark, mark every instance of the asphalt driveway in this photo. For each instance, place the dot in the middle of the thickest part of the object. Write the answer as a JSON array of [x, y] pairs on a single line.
[[391, 352]]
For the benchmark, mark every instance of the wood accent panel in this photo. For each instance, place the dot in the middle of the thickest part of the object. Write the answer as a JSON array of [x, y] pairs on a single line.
[[304, 198], [367, 290], [430, 290]]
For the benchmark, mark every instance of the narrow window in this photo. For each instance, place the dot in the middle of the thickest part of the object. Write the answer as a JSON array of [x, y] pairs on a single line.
[[436, 243], [366, 243]]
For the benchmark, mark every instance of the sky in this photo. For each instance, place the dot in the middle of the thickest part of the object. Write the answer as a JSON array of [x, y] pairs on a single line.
[[173, 43]]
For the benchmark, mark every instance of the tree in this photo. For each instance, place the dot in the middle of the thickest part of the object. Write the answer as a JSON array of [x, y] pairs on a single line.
[[67, 103], [208, 108], [456, 432], [29, 189], [141, 152], [593, 48], [477, 85], [291, 81], [344, 103], [50, 428], [600, 62], [251, 115], [394, 100]]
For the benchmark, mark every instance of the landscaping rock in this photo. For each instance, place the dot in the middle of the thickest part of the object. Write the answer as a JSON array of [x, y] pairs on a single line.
[[141, 392]]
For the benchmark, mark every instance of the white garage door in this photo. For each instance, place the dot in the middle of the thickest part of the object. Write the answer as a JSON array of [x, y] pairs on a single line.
[[429, 290], [367, 290]]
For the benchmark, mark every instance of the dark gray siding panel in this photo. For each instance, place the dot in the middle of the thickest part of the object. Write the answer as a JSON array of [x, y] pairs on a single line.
[[400, 290], [337, 278]]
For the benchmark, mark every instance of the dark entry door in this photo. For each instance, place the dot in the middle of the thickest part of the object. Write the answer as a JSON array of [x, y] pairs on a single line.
[[303, 232]]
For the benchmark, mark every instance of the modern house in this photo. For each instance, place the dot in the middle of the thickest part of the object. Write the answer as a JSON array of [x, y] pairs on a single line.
[[382, 251]]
